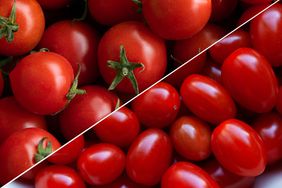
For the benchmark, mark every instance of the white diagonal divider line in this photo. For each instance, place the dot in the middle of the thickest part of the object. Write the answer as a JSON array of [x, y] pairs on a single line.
[[160, 80]]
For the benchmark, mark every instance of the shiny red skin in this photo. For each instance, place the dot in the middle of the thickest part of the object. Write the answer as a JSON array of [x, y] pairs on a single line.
[[136, 39], [31, 22], [187, 175], [113, 11], [279, 101], [101, 164], [41, 81], [249, 78], [239, 148], [266, 34], [176, 19], [53, 4], [191, 138], [15, 118], [222, 9], [58, 176], [212, 70], [207, 99], [269, 127], [1, 84], [158, 106], [120, 128], [78, 43], [18, 151], [68, 153], [148, 157], [220, 51], [96, 104]]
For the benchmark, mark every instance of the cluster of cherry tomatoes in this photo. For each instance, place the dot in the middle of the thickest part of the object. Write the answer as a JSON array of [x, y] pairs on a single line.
[[215, 122]]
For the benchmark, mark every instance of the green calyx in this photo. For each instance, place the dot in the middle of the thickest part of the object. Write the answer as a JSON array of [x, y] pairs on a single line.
[[8, 25], [123, 69], [139, 4], [43, 152]]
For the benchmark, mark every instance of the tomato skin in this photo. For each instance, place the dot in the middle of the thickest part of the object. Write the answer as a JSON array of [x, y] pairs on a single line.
[[250, 80], [96, 168], [41, 81], [212, 70], [31, 22], [58, 176], [158, 106], [232, 136], [78, 43], [256, 1], [279, 101], [249, 13], [136, 39], [222, 9], [207, 99], [187, 175], [53, 4], [120, 129], [9, 109], [148, 157], [176, 19], [1, 84], [18, 150]]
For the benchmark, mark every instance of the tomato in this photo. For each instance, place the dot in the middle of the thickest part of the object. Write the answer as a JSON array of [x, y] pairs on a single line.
[[187, 175], [158, 106], [191, 138], [136, 54], [78, 43], [120, 128], [21, 150], [148, 157], [266, 34], [1, 84], [239, 148], [249, 13], [53, 4], [101, 164], [249, 78], [96, 104], [279, 101], [58, 176], [113, 12], [207, 99], [69, 152], [14, 118], [256, 1], [222, 9], [177, 19], [28, 26], [212, 70]]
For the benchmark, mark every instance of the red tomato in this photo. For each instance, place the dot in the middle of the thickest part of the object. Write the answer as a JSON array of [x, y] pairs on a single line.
[[21, 150], [158, 106], [101, 164], [78, 43], [239, 148], [29, 25], [279, 101], [148, 157], [141, 48], [176, 19], [120, 128], [256, 1], [1, 84], [68, 153], [207, 99], [250, 80], [222, 9], [187, 175], [58, 176], [53, 4], [14, 118], [249, 13], [212, 70], [191, 138], [96, 104], [266, 35]]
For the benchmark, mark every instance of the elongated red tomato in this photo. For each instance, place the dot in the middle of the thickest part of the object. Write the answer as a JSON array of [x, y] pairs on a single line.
[[239, 148], [53, 4], [249, 78]]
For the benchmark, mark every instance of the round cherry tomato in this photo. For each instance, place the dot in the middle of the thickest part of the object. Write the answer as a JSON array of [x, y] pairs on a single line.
[[239, 148], [158, 106], [1, 84], [120, 128], [101, 164], [250, 80], [58, 176], [148, 157], [14, 118], [28, 26], [53, 4], [187, 175], [78, 43], [136, 53], [178, 19], [22, 149], [222, 9], [207, 99]]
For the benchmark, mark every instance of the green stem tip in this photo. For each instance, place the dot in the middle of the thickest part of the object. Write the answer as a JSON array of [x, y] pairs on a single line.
[[42, 151]]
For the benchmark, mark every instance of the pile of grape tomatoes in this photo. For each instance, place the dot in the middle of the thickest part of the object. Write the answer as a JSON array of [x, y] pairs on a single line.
[[66, 64]]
